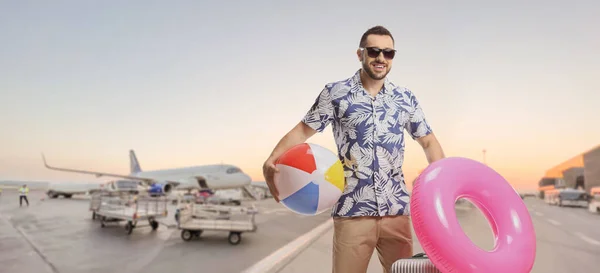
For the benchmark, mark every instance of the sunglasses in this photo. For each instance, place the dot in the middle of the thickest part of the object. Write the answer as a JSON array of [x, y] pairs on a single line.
[[373, 52]]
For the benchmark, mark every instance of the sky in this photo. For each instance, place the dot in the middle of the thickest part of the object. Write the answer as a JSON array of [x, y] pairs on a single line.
[[200, 82]]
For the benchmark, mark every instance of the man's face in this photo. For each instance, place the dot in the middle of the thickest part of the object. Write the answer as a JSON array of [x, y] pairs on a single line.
[[377, 67]]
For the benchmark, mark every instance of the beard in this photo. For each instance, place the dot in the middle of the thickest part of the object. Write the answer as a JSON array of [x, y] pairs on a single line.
[[375, 75]]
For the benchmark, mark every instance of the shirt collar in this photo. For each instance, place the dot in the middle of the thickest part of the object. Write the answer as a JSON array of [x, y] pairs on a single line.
[[356, 84]]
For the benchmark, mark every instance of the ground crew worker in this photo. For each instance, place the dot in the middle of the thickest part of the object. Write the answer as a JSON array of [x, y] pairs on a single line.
[[23, 191]]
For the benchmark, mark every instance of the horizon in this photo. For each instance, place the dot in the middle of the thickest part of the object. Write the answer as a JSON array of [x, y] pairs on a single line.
[[85, 83]]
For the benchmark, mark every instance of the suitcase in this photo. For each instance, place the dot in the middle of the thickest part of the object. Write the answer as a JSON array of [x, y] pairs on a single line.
[[418, 263]]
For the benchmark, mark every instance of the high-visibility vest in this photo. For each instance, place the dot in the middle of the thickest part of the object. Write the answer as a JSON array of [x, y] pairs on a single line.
[[23, 191]]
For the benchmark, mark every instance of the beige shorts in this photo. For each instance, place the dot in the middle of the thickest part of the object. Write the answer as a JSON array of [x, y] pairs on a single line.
[[355, 239]]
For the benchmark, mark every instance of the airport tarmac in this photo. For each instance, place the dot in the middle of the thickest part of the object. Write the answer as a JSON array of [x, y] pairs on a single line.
[[568, 238], [58, 235]]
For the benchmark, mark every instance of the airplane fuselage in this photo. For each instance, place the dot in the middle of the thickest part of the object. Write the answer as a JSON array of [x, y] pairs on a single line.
[[214, 177]]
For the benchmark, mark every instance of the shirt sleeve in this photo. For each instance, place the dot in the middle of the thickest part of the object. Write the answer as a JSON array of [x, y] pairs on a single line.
[[320, 114], [417, 126]]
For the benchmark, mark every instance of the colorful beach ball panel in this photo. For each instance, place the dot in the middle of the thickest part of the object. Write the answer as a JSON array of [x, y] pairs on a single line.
[[310, 179]]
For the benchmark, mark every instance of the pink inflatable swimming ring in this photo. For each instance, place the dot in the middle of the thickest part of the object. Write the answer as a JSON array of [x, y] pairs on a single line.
[[432, 207]]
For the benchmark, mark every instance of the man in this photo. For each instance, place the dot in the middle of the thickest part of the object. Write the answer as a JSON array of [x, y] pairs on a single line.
[[23, 191], [368, 114]]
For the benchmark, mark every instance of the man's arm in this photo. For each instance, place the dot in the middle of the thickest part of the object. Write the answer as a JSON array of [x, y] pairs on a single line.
[[420, 130], [316, 120], [299, 134], [432, 148]]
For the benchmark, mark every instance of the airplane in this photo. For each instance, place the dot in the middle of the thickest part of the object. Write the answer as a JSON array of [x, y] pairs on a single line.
[[163, 182]]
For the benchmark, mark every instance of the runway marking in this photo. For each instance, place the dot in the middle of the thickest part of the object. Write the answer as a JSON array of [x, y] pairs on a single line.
[[275, 210], [554, 222], [35, 248], [587, 239], [281, 257]]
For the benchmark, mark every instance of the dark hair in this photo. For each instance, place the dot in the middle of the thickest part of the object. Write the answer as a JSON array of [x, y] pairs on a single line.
[[376, 30]]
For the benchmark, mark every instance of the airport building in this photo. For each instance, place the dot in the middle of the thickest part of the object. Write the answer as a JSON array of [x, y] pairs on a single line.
[[579, 172], [591, 172]]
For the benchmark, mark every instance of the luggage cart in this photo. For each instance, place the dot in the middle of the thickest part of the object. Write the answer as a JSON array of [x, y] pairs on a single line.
[[193, 219], [127, 206]]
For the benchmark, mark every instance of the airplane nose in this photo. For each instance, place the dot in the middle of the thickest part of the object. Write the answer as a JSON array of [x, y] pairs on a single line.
[[245, 178]]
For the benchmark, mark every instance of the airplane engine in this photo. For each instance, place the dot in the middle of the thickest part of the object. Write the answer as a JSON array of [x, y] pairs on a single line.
[[160, 189]]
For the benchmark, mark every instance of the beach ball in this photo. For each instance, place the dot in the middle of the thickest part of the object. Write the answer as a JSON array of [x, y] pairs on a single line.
[[310, 179]]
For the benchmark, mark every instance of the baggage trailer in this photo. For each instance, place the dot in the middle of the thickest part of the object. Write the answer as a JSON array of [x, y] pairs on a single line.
[[128, 206], [193, 219]]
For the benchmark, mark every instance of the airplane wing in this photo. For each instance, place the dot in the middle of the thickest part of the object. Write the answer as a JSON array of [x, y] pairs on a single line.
[[100, 174]]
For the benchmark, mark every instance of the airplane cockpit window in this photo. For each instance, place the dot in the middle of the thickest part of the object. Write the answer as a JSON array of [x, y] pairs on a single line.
[[233, 170]]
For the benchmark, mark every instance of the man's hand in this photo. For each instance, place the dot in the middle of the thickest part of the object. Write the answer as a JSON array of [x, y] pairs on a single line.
[[269, 171]]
